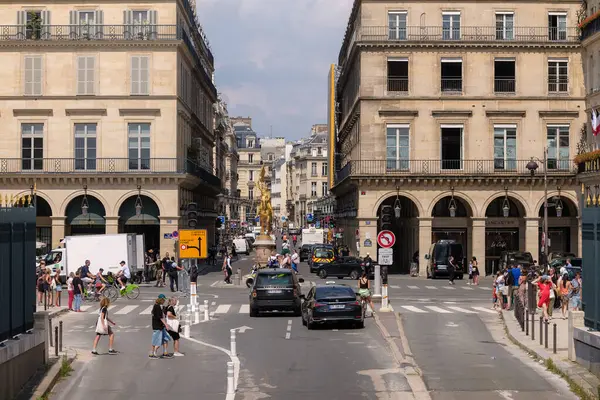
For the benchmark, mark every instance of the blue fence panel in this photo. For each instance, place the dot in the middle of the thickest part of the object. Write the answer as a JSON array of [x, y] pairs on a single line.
[[590, 234]]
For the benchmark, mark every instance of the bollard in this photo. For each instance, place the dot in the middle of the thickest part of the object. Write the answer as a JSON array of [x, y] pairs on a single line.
[[546, 334], [541, 333], [377, 294], [525, 319], [186, 327], [230, 387], [194, 295], [60, 335], [384, 298], [233, 344], [206, 317], [526, 322], [45, 300], [56, 341], [239, 277], [50, 330], [554, 338], [532, 326]]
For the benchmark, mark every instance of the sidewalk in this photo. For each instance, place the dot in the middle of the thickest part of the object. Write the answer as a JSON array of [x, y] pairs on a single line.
[[580, 376], [53, 312]]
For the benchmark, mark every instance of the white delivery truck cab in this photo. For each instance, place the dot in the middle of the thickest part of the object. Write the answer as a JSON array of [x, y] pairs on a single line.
[[241, 245], [312, 236], [103, 251]]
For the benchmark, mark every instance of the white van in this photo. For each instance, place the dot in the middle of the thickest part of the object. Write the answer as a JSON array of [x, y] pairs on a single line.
[[241, 246]]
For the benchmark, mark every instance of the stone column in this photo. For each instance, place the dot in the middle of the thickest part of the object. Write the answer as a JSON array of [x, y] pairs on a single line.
[[576, 235], [58, 230], [424, 243], [532, 243], [168, 225], [478, 242], [112, 225]]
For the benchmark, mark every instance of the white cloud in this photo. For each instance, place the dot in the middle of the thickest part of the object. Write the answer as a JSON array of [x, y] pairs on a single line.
[[273, 56]]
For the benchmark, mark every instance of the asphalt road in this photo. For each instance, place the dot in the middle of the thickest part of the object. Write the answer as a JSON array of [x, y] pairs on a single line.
[[453, 334]]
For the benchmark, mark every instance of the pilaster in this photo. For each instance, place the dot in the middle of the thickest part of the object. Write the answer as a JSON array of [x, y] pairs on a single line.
[[112, 225], [425, 224], [58, 230]]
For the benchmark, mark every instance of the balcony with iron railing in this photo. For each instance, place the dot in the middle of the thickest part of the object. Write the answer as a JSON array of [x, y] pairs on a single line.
[[108, 166], [456, 168], [504, 85], [558, 84], [468, 34], [451, 84], [90, 32], [397, 84]]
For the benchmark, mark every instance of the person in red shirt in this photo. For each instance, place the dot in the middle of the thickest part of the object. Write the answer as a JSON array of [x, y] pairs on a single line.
[[545, 285]]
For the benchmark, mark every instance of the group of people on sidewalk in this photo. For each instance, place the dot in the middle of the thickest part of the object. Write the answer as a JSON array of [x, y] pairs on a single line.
[[165, 328], [557, 289]]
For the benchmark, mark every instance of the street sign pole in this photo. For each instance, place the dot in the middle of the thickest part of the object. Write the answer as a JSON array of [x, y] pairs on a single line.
[[377, 296]]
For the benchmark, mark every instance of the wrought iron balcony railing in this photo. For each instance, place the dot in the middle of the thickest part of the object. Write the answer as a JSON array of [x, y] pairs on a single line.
[[109, 166], [451, 84], [397, 84], [475, 34], [467, 168], [504, 85], [90, 32]]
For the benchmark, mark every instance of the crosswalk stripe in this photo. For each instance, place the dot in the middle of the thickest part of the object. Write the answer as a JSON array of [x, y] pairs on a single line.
[[486, 310], [245, 309], [147, 311], [448, 287], [85, 308], [222, 308], [414, 309], [395, 286], [439, 310], [126, 310], [462, 310], [413, 287], [431, 287], [484, 288], [467, 288]]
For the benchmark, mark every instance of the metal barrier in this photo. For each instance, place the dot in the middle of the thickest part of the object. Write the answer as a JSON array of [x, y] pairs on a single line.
[[17, 265], [519, 310], [590, 236]]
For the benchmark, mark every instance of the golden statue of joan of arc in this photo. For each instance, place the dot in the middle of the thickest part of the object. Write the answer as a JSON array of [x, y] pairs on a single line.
[[264, 210]]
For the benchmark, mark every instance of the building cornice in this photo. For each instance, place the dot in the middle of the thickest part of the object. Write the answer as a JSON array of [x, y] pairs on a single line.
[[398, 113], [498, 99], [83, 98], [136, 112], [558, 114], [76, 45], [451, 113], [33, 112], [506, 113]]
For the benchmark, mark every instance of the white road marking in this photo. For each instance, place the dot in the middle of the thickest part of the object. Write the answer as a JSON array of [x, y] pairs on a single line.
[[356, 342], [215, 283], [85, 308], [467, 288], [484, 288], [245, 309], [448, 287], [439, 310], [214, 303], [288, 335], [413, 287], [222, 308], [414, 309], [289, 329], [126, 310], [449, 302], [395, 286], [335, 330], [147, 311], [486, 310], [431, 287], [462, 310]]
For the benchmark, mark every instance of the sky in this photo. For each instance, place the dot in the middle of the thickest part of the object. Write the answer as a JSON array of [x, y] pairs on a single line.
[[272, 59]]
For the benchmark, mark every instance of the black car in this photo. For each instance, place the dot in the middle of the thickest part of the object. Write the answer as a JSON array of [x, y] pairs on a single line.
[[275, 289], [509, 259], [305, 252], [341, 267], [331, 303]]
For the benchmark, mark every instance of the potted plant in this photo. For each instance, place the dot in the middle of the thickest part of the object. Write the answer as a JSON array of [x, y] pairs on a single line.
[[34, 25]]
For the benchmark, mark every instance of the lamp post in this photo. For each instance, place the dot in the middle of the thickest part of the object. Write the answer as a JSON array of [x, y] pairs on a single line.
[[532, 165], [452, 204], [397, 205]]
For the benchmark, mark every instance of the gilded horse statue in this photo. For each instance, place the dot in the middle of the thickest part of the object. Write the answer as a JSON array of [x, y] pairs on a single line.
[[264, 210]]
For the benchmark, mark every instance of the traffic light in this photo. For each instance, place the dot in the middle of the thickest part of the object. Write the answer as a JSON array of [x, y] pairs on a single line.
[[386, 219], [191, 213], [218, 223]]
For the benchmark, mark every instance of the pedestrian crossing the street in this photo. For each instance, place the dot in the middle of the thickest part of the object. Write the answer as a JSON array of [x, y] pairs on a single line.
[[217, 310]]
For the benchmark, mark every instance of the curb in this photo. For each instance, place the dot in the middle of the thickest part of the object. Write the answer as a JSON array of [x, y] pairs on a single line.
[[558, 367], [51, 377], [55, 314]]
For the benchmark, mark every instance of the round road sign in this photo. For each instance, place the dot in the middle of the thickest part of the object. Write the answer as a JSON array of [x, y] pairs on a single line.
[[386, 239], [183, 247]]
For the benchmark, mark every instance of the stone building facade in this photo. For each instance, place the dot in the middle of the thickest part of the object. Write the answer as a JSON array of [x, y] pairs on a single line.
[[249, 165], [442, 105], [112, 105]]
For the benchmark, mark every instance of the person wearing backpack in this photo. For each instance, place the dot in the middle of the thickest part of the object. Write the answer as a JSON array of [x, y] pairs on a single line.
[[575, 293]]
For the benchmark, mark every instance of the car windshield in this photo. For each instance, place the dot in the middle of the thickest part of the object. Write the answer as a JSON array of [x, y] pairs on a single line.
[[444, 251], [520, 258], [273, 279], [323, 253], [338, 293]]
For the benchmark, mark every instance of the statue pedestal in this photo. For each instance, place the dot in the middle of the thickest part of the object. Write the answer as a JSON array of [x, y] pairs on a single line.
[[264, 246]]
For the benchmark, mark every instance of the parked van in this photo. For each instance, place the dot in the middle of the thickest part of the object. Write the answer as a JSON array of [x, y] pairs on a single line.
[[241, 246], [437, 259]]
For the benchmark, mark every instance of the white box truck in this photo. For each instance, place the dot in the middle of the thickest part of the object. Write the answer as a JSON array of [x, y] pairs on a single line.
[[312, 236], [103, 251]]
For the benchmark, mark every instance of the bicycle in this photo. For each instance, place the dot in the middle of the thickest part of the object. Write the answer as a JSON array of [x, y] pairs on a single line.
[[113, 291]]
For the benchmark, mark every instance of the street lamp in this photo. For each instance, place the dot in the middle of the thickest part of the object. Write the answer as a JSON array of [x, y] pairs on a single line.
[[397, 206], [559, 205], [452, 205], [85, 206], [506, 204], [532, 165], [138, 202]]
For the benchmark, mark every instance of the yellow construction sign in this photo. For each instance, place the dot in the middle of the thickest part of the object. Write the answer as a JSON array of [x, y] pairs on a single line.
[[192, 243]]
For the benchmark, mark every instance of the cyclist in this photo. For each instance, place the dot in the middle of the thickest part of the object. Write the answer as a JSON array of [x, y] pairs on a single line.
[[364, 290], [295, 240], [123, 275], [100, 282]]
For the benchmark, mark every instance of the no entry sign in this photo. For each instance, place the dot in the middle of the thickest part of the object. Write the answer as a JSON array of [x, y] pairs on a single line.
[[386, 239]]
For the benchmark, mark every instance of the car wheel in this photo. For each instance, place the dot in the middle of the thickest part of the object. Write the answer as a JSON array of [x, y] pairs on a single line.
[[322, 274], [360, 325], [249, 282], [253, 312], [309, 324], [354, 275]]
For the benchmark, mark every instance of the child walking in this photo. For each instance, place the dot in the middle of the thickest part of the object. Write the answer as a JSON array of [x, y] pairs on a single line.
[[103, 329]]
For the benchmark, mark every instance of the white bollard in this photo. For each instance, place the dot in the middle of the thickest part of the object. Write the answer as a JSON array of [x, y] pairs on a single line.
[[233, 344], [194, 295], [377, 294], [206, 317], [192, 304], [186, 327], [385, 303], [230, 383]]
